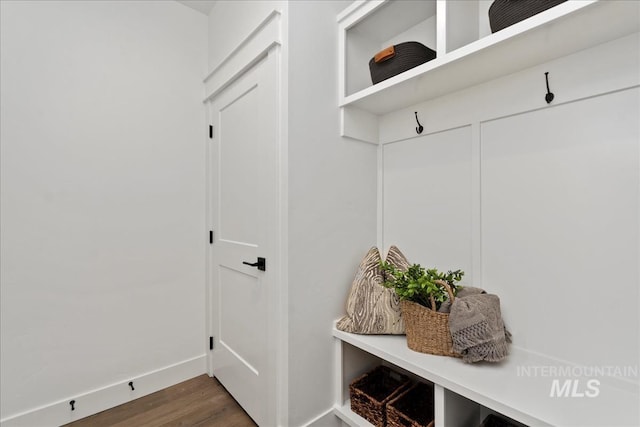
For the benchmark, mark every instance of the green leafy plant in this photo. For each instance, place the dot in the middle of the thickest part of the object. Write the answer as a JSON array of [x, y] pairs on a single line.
[[421, 285]]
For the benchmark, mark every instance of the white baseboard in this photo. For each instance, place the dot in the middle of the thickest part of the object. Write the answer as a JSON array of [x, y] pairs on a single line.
[[103, 398], [326, 419]]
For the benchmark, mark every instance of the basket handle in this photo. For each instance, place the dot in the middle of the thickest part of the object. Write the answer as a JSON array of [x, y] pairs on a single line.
[[445, 285], [384, 54]]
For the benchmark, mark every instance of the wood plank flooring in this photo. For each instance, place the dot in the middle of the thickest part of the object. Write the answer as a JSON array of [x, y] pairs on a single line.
[[198, 402]]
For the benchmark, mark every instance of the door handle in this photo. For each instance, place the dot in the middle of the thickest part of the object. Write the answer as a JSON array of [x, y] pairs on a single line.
[[261, 264]]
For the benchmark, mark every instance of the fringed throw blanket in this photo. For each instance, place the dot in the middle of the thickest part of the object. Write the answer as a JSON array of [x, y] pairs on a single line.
[[464, 291], [477, 328]]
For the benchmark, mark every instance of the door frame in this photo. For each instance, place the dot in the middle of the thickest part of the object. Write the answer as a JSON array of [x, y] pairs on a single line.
[[263, 43]]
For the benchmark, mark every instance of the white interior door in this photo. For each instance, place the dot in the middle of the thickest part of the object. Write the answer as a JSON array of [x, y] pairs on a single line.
[[243, 204]]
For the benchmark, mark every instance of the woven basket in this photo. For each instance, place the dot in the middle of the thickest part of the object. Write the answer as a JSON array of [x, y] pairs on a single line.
[[503, 13], [397, 59], [428, 330], [371, 392], [412, 408]]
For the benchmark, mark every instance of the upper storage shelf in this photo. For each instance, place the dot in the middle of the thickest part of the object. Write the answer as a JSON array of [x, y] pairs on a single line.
[[386, 23], [467, 52]]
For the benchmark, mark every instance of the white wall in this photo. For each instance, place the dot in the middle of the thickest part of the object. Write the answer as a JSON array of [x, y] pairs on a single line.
[[332, 206], [103, 241]]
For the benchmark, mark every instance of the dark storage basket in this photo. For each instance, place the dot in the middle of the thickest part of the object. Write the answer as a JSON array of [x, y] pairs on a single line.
[[412, 408], [493, 420], [397, 59], [503, 13], [371, 392]]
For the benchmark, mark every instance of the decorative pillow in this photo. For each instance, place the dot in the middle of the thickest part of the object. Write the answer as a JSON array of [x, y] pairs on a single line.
[[372, 308]]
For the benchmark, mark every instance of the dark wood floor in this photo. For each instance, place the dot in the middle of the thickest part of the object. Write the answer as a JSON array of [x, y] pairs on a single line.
[[199, 402]]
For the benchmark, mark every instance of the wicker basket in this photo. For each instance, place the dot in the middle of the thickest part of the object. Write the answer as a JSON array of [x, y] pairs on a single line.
[[503, 13], [371, 392], [412, 408], [428, 330], [397, 59]]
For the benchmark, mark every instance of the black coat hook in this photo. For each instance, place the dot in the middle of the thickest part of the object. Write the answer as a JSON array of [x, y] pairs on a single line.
[[549, 96], [72, 403], [131, 385], [419, 128]]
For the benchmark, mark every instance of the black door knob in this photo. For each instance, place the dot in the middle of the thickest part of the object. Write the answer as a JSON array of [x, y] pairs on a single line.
[[261, 264]]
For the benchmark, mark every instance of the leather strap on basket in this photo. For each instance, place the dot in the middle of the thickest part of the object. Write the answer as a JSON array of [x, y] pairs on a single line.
[[445, 285], [385, 54]]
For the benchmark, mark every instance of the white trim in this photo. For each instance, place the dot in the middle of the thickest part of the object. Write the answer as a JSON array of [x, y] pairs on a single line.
[[325, 419], [350, 9], [380, 200], [282, 287], [438, 403], [476, 211], [97, 400], [243, 43], [358, 124], [210, 226], [441, 27], [342, 64], [348, 17], [251, 50]]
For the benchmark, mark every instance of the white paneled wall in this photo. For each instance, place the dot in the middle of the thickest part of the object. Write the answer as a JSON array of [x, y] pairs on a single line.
[[560, 226], [537, 203], [427, 198]]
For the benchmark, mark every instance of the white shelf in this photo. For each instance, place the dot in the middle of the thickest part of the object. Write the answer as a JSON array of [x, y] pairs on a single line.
[[503, 387], [345, 413], [559, 31]]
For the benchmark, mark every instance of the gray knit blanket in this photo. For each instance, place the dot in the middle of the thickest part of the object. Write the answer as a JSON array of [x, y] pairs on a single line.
[[477, 329]]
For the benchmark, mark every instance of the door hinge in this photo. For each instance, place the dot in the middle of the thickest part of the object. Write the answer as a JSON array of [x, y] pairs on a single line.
[[211, 237], [210, 343], [210, 131]]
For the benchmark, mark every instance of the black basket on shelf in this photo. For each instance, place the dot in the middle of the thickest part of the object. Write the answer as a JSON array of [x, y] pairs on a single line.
[[397, 59], [503, 13]]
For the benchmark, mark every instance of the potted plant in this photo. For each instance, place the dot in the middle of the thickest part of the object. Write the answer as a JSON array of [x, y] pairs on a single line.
[[422, 292]]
